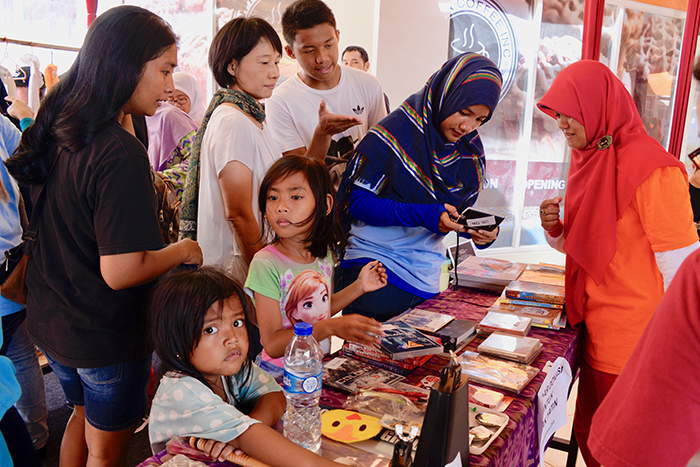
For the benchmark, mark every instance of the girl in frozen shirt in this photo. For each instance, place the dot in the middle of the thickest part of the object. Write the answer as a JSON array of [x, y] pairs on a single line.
[[298, 202]]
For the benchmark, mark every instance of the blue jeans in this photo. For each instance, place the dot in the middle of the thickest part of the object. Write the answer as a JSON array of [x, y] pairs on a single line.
[[32, 404], [115, 397], [381, 304]]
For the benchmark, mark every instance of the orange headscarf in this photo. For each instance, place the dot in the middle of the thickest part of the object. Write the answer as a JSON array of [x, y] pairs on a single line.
[[602, 178]]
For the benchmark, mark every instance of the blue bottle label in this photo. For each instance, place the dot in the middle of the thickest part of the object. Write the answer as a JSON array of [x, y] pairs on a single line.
[[294, 384]]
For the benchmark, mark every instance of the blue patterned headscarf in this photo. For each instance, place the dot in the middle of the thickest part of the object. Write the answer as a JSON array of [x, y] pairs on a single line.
[[407, 145]]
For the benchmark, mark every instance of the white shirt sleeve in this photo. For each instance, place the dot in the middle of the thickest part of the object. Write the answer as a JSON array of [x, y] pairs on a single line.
[[556, 242], [669, 261]]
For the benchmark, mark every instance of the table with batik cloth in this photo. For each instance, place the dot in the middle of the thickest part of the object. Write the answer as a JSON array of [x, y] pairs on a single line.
[[518, 444]]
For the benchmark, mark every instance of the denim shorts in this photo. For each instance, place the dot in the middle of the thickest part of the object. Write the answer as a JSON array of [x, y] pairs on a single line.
[[115, 397]]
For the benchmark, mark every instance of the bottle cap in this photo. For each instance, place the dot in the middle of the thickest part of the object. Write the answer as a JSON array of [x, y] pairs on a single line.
[[303, 329]]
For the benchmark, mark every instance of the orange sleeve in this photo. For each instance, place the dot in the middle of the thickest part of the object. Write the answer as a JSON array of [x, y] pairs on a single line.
[[663, 203]]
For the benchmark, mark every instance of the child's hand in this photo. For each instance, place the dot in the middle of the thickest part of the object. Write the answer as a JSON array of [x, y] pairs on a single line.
[[372, 277], [357, 328], [216, 449]]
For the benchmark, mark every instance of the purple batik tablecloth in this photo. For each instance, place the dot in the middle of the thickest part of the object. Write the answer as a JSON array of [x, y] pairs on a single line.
[[518, 444]]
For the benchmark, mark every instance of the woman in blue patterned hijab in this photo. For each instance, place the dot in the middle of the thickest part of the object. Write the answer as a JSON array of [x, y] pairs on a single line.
[[408, 179]]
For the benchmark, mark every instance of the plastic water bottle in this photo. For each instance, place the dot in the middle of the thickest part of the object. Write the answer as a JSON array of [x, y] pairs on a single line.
[[302, 388]]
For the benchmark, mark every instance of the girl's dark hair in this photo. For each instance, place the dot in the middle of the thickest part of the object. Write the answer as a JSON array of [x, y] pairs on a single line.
[[178, 305], [234, 41], [326, 232], [90, 96], [696, 71]]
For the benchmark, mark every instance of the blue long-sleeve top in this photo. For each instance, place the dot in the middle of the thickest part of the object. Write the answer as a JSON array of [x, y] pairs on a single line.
[[384, 212]]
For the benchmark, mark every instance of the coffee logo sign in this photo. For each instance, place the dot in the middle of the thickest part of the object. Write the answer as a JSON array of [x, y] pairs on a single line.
[[482, 26]]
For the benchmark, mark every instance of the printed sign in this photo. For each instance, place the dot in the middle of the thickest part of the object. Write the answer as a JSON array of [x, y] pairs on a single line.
[[551, 402], [482, 26]]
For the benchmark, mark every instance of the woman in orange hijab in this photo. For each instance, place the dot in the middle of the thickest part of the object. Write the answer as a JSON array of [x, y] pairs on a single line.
[[627, 227]]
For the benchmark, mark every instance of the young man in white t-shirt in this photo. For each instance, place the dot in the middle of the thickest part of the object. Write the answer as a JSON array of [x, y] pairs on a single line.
[[309, 29]]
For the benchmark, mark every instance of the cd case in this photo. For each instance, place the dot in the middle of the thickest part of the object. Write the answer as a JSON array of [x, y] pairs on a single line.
[[351, 375], [497, 373], [518, 349], [506, 323], [480, 220], [423, 320]]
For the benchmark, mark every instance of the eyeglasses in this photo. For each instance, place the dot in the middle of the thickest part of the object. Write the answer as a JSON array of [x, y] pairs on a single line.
[[182, 100]]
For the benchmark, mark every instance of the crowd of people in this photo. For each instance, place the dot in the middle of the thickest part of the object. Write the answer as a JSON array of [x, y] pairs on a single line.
[[297, 206]]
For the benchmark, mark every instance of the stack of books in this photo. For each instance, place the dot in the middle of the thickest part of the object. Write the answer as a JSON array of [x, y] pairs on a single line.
[[518, 349], [402, 341], [373, 356], [404, 347], [487, 273], [539, 294], [453, 333], [504, 323]]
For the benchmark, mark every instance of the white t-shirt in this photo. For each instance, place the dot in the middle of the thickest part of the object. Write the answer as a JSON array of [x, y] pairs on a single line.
[[230, 136], [292, 111]]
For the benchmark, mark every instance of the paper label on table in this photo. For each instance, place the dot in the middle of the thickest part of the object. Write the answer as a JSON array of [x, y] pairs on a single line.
[[457, 462], [551, 402]]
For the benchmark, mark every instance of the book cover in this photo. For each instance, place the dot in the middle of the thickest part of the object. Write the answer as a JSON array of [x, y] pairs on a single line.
[[547, 293], [373, 353], [539, 314], [402, 341], [423, 320], [508, 323], [543, 274], [486, 273], [497, 373], [489, 269], [350, 375], [512, 301], [379, 364], [457, 331], [466, 248], [541, 317], [559, 323]]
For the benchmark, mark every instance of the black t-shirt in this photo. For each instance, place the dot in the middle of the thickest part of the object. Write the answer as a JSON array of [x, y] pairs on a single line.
[[695, 202], [98, 201]]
